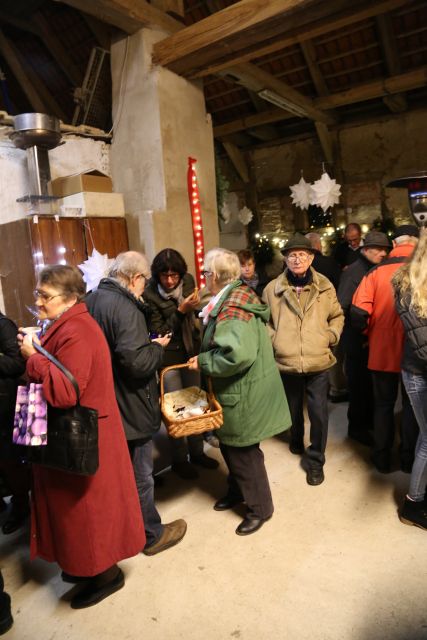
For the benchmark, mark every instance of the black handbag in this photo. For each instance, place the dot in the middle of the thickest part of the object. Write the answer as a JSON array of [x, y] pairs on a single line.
[[72, 434]]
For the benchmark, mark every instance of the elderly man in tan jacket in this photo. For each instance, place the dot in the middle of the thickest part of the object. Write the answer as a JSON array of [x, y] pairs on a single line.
[[306, 321]]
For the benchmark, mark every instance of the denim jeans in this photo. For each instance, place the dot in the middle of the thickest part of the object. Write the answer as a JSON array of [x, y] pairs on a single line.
[[141, 453], [416, 388]]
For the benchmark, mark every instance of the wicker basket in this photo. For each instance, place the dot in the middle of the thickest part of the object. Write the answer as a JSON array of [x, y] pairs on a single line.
[[213, 419]]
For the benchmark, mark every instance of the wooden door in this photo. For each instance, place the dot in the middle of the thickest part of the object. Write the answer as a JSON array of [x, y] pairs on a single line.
[[57, 241], [109, 235]]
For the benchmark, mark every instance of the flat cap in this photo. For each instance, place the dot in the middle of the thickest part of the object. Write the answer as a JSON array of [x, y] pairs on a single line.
[[376, 239], [297, 241]]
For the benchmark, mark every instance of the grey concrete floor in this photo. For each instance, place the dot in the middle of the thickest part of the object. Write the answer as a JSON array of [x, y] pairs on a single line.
[[334, 563]]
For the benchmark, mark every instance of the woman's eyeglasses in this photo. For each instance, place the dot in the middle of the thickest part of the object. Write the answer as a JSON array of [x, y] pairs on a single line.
[[44, 297], [171, 276], [206, 273]]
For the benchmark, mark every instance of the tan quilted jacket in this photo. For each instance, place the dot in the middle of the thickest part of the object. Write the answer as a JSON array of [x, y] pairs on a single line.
[[302, 340]]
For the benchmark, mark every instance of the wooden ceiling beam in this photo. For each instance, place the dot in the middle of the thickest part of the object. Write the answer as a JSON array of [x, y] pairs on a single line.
[[128, 15], [173, 7], [238, 160], [377, 89], [246, 23], [195, 67], [248, 122], [57, 49], [9, 53], [396, 84], [326, 142], [310, 57], [100, 30], [257, 80], [396, 103], [23, 25]]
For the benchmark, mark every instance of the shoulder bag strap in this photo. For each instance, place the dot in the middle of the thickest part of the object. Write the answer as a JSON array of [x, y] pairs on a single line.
[[60, 366]]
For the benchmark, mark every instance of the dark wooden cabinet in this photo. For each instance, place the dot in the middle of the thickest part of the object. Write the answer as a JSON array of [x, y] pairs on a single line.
[[27, 245]]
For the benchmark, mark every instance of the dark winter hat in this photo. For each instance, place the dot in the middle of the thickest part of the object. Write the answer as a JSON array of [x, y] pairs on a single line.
[[376, 239], [298, 241], [407, 230]]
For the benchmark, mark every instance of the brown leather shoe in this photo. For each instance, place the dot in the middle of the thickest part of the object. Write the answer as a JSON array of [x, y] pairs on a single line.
[[173, 532]]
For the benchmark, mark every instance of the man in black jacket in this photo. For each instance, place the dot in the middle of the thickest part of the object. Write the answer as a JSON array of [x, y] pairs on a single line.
[[326, 265], [347, 252], [355, 346], [118, 308]]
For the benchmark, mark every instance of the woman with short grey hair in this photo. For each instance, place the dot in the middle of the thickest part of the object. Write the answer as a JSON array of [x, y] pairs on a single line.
[[236, 353]]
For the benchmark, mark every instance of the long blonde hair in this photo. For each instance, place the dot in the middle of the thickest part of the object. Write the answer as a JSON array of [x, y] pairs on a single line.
[[410, 281]]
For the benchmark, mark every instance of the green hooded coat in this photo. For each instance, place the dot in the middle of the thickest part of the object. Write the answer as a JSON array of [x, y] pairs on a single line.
[[237, 353]]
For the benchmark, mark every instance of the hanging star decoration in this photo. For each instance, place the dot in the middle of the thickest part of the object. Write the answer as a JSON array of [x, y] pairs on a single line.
[[326, 192], [245, 215], [301, 194], [95, 268]]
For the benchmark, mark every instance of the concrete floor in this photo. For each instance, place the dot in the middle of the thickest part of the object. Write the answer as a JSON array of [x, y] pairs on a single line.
[[334, 563]]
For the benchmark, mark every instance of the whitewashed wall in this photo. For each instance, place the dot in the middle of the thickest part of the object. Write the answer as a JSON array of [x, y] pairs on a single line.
[[77, 154]]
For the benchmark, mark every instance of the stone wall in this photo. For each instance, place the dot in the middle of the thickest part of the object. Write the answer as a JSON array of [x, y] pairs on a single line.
[[371, 155]]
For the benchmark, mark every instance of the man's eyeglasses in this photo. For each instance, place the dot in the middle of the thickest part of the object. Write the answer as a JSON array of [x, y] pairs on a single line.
[[293, 257], [206, 273], [44, 297]]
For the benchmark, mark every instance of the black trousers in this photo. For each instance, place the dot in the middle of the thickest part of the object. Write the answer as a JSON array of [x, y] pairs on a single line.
[[315, 387], [386, 388], [247, 479], [361, 397]]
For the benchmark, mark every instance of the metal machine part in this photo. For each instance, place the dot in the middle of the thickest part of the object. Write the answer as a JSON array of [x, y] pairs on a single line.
[[36, 133], [416, 184]]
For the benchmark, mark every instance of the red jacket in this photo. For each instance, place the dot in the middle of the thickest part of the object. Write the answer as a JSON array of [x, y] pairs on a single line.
[[373, 311], [85, 524]]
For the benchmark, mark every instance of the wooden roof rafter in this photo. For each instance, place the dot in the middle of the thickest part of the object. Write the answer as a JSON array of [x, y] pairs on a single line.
[[238, 33]]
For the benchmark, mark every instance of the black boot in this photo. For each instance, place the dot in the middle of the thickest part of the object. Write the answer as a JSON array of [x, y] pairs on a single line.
[[6, 620], [414, 513]]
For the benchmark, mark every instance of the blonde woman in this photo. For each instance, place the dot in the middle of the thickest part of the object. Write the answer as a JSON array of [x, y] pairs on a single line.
[[410, 284]]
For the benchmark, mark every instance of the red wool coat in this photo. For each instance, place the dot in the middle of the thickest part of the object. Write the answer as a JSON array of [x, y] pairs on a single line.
[[373, 309], [85, 524]]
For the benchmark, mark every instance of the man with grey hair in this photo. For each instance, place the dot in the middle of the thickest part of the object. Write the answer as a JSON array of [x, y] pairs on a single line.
[[118, 307]]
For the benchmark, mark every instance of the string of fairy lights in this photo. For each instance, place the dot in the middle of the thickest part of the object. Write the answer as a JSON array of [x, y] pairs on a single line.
[[196, 217]]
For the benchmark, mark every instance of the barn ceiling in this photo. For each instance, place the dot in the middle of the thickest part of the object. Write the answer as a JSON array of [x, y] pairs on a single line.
[[272, 71]]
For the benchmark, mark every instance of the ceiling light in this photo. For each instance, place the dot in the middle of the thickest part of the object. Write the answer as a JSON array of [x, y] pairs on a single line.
[[283, 103]]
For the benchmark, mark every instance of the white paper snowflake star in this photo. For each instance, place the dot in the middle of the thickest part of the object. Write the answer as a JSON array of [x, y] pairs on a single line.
[[301, 194], [326, 192]]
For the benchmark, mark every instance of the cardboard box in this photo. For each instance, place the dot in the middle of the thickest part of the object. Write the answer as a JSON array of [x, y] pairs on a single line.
[[93, 181], [90, 204]]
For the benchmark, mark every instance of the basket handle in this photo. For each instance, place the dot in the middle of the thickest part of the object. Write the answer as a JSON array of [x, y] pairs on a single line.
[[178, 366]]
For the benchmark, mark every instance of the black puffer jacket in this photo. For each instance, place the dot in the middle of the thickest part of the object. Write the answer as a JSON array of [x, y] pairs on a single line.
[[12, 366], [164, 317], [414, 357], [135, 358]]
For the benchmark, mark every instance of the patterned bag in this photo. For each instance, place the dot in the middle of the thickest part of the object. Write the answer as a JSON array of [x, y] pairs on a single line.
[[30, 421]]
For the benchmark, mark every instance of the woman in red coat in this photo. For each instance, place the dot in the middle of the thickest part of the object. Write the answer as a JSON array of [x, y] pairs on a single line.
[[85, 524]]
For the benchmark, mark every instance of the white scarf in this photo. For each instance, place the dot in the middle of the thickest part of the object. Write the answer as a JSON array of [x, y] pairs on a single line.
[[206, 311]]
